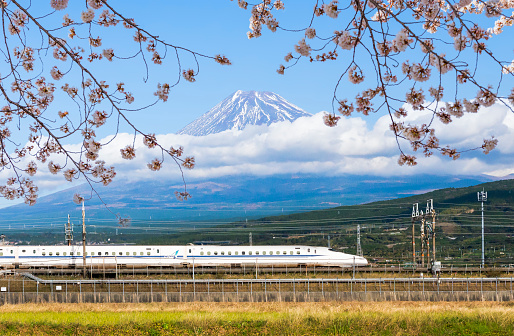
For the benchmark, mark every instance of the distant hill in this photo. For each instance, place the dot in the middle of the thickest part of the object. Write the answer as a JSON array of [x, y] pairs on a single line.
[[244, 108], [223, 199]]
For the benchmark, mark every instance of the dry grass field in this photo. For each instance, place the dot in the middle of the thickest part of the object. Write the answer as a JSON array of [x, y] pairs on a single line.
[[199, 318]]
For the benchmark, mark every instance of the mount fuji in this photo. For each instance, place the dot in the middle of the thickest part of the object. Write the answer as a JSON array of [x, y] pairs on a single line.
[[244, 108]]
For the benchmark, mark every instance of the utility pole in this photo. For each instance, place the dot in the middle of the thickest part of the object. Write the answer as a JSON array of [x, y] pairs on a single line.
[[422, 237], [68, 232], [84, 269], [415, 215], [359, 248], [430, 229], [482, 197]]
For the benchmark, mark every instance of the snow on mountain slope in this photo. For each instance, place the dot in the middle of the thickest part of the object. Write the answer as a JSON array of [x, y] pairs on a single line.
[[244, 108]]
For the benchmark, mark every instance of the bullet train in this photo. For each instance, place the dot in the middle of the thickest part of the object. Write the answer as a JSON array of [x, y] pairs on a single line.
[[174, 256]]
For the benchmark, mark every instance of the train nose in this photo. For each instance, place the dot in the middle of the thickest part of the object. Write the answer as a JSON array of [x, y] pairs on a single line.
[[361, 261]]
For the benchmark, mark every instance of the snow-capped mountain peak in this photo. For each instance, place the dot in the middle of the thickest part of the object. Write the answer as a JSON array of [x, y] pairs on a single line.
[[244, 108]]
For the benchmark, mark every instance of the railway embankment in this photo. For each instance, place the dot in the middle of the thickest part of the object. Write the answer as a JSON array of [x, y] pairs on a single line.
[[28, 288]]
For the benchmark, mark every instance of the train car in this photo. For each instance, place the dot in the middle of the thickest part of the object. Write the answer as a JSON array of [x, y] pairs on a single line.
[[174, 255]]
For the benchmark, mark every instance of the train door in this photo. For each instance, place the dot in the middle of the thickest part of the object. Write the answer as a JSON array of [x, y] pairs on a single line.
[[16, 256]]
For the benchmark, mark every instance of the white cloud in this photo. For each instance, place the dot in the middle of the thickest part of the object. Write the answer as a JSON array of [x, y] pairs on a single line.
[[355, 146]]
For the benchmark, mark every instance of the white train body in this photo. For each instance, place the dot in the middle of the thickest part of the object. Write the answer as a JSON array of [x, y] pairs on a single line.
[[178, 255]]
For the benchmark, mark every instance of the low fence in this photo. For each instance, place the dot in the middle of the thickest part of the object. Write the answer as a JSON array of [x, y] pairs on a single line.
[[28, 288]]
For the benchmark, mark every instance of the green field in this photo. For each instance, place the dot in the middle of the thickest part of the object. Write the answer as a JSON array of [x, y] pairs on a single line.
[[325, 318]]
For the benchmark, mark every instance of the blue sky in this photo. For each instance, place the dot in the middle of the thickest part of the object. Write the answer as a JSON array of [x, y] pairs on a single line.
[[220, 26], [358, 145]]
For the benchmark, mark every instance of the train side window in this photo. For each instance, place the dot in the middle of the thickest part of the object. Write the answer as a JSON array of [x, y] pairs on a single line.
[[308, 250], [270, 252], [189, 251], [201, 253], [57, 253], [264, 252], [114, 253], [99, 253], [1, 254], [127, 253], [64, 254], [50, 253], [222, 253], [297, 252], [71, 253], [134, 253], [43, 253], [243, 253], [78, 253], [23, 251], [92, 253], [278, 252], [291, 252], [208, 253], [284, 252], [236, 253], [257, 252], [140, 253], [215, 252], [120, 253], [12, 251], [229, 252], [250, 253], [147, 253], [106, 253], [158, 251], [314, 251], [33, 251]]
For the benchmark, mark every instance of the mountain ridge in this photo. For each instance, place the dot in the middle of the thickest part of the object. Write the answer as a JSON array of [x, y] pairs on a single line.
[[244, 108]]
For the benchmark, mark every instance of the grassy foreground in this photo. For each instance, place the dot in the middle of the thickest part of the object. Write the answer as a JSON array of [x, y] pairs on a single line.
[[332, 318]]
